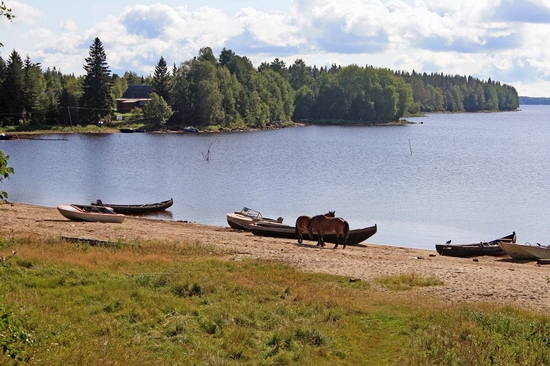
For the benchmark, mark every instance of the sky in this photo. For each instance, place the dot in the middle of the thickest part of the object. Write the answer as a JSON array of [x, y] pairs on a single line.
[[504, 40]]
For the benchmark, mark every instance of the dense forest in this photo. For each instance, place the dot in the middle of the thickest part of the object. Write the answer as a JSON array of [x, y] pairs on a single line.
[[229, 92]]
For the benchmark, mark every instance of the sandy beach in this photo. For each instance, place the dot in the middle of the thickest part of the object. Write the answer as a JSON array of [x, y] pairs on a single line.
[[484, 279]]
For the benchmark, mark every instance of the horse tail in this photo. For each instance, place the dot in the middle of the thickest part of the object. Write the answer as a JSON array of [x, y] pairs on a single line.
[[346, 229]]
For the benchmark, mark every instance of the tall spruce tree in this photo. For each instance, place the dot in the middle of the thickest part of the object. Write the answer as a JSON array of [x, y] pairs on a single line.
[[13, 90], [161, 80], [96, 101]]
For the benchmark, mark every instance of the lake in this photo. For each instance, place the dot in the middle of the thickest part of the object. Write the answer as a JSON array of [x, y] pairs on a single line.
[[465, 177]]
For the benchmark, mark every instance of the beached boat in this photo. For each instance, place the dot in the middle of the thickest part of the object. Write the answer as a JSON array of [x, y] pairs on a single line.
[[475, 249], [90, 213], [137, 209], [126, 130], [526, 251], [245, 218], [355, 236], [190, 129]]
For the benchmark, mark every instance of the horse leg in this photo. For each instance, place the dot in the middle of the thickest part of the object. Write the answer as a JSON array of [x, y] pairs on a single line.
[[337, 240], [322, 238]]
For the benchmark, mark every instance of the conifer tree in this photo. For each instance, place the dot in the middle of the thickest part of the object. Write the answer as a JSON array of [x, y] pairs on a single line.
[[13, 89], [96, 101], [161, 80]]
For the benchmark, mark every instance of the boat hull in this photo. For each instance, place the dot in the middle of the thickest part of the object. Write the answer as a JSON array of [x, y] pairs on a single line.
[[491, 248], [355, 236], [89, 213], [525, 252], [138, 209]]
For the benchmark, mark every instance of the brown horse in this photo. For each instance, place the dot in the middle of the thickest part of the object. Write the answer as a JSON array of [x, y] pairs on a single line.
[[322, 224], [301, 225]]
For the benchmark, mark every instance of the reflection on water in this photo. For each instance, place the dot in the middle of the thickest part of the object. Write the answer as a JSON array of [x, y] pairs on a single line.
[[465, 177]]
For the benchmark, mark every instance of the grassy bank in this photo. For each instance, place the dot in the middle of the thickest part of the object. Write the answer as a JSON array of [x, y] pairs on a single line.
[[181, 303]]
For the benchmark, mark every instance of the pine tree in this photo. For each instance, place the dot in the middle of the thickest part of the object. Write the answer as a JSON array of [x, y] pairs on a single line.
[[13, 89], [161, 80], [96, 100]]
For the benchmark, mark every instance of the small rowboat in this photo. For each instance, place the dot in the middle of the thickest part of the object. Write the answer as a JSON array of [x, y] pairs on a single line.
[[90, 213], [526, 251], [476, 249], [136, 209]]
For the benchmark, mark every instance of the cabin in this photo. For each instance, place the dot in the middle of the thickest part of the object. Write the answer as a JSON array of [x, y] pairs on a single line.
[[135, 96]]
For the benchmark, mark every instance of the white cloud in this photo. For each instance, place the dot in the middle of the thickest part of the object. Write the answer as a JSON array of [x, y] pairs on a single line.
[[68, 25], [466, 37], [24, 13], [271, 29]]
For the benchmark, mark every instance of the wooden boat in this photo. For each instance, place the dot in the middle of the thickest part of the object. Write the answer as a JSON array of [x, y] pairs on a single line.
[[355, 236], [136, 209], [90, 213], [245, 218], [476, 249], [526, 251]]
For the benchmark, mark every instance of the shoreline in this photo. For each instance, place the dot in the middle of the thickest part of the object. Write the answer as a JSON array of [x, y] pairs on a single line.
[[498, 280]]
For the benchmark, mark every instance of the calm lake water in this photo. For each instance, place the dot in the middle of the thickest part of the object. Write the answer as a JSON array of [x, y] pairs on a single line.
[[465, 177]]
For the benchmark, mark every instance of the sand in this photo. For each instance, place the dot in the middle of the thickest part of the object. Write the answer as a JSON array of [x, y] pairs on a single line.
[[483, 279]]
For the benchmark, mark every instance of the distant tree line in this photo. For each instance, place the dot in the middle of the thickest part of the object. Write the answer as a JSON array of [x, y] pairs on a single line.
[[446, 93], [229, 92], [534, 100]]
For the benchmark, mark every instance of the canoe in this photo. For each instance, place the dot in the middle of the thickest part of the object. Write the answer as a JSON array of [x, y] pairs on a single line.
[[90, 213], [526, 251], [247, 217], [355, 236], [136, 209], [475, 249]]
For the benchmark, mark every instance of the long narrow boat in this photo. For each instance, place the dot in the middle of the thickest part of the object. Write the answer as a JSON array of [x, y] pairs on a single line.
[[476, 249], [355, 236], [526, 251], [90, 213], [136, 209]]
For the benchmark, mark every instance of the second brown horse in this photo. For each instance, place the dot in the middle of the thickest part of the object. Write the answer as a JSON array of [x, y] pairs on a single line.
[[322, 225], [301, 225]]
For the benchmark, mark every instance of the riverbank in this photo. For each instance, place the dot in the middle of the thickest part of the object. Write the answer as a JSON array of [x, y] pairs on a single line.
[[484, 279]]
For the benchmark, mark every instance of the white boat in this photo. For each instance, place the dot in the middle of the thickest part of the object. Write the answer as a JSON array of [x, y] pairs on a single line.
[[90, 213], [246, 218], [540, 251], [525, 251]]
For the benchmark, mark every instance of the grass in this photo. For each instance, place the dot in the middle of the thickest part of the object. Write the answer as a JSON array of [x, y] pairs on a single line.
[[180, 303]]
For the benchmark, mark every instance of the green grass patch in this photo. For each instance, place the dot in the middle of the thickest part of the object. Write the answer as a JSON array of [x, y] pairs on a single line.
[[407, 281], [180, 303]]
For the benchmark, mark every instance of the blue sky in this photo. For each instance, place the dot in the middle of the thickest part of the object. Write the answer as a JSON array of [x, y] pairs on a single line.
[[505, 40]]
